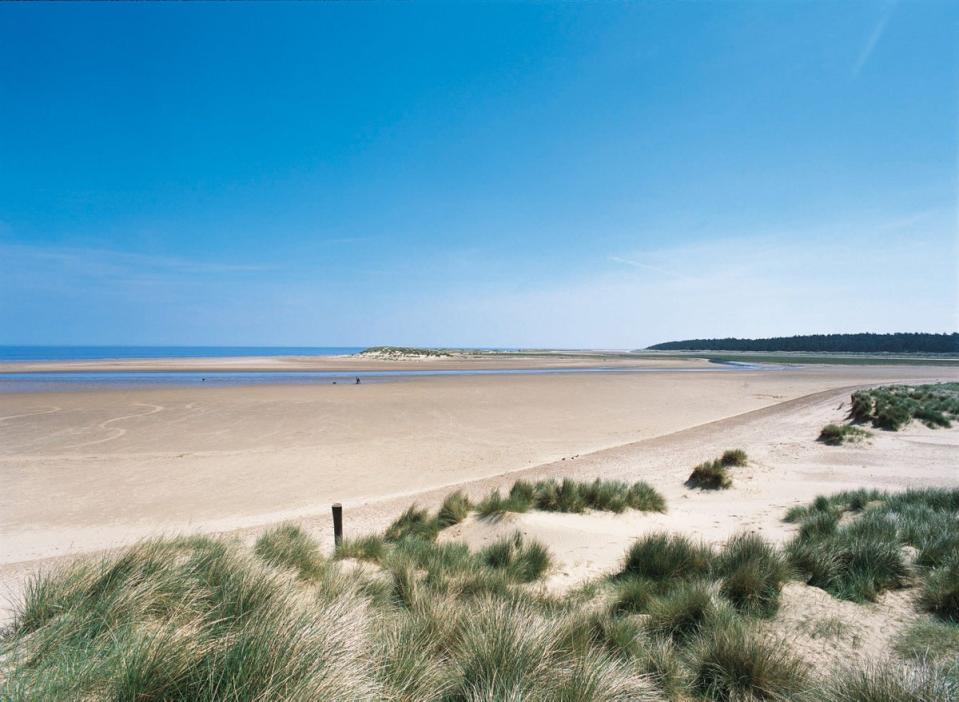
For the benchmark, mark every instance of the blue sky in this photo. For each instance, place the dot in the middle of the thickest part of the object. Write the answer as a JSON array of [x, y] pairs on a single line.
[[574, 175]]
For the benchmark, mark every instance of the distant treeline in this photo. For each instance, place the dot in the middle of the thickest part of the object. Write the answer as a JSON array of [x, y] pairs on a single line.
[[917, 342]]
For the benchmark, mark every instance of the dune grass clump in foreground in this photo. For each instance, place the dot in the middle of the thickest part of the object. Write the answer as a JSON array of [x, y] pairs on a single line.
[[204, 619], [288, 546], [200, 619], [573, 496], [189, 619], [860, 559], [753, 572]]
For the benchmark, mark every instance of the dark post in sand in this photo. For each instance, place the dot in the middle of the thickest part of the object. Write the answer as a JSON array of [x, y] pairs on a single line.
[[337, 523]]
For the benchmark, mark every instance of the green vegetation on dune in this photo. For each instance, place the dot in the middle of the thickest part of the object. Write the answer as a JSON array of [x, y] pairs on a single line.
[[456, 507], [837, 434], [890, 681], [401, 351], [710, 475], [713, 475], [894, 406], [852, 545], [426, 620], [572, 496]]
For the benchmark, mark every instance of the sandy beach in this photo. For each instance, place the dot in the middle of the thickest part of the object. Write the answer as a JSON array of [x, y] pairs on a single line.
[[95, 469]]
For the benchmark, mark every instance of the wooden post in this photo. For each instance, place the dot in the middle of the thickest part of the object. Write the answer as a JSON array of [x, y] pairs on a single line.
[[337, 523]]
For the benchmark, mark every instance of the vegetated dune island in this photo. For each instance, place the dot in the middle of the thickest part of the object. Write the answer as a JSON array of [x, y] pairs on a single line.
[[89, 471]]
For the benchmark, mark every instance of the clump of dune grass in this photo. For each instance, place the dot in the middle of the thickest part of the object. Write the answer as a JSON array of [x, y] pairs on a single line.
[[681, 612], [365, 548], [526, 560], [454, 509], [940, 591], [734, 457], [889, 681], [287, 546], [731, 662], [183, 619], [857, 562], [663, 556], [863, 556], [494, 504], [573, 496], [753, 572], [929, 641], [710, 475], [415, 522], [894, 406], [507, 650], [837, 434], [633, 594]]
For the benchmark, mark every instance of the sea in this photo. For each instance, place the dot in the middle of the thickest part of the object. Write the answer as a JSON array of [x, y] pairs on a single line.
[[100, 353], [60, 381]]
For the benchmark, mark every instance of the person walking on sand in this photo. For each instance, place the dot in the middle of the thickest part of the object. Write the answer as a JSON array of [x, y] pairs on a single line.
[[357, 380]]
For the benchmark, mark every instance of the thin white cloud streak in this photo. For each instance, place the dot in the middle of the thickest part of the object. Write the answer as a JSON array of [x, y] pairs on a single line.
[[94, 261], [877, 31], [639, 264]]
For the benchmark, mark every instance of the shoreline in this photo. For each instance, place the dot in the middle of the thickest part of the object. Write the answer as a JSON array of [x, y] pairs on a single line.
[[352, 363]]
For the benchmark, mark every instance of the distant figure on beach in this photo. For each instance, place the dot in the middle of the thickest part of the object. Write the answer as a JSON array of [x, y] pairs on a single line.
[[357, 381]]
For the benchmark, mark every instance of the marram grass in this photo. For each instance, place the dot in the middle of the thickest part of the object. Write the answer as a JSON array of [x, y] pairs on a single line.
[[572, 496], [208, 619]]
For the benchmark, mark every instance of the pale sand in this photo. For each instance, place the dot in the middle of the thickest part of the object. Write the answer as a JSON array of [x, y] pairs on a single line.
[[84, 471]]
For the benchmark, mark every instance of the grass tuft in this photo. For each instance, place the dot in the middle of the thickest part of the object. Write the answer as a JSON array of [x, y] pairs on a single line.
[[681, 612], [663, 556], [929, 641], [572, 496], [940, 591], [365, 548], [525, 561], [852, 544], [887, 681], [454, 509], [753, 573], [837, 434], [286, 546], [415, 522], [734, 457], [732, 663], [711, 475]]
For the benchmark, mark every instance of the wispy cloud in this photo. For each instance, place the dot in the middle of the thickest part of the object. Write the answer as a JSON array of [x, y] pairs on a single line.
[[109, 262], [874, 36], [648, 266]]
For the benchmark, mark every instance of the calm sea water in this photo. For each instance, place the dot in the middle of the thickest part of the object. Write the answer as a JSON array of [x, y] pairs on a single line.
[[96, 353], [62, 381]]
